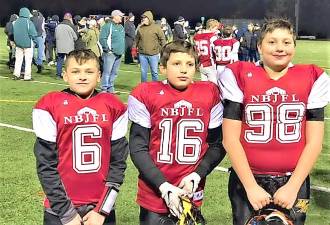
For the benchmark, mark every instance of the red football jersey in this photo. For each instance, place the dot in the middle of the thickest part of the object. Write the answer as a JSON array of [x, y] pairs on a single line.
[[274, 120], [179, 122], [82, 130], [203, 47], [225, 50]]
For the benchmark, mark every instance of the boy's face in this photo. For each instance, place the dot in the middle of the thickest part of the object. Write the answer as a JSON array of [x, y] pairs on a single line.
[[277, 49], [180, 70], [83, 78]]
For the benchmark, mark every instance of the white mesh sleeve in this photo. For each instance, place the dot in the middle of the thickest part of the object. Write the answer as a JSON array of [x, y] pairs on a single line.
[[216, 116], [44, 125], [119, 127], [138, 113], [320, 94], [229, 87]]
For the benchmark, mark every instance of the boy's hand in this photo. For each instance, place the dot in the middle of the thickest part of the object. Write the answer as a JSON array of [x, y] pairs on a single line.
[[285, 196], [190, 183], [76, 220], [93, 218], [258, 197]]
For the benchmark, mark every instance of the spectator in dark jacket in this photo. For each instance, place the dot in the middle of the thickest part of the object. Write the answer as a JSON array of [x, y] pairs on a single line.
[[39, 22], [129, 38], [179, 31], [10, 40], [50, 27]]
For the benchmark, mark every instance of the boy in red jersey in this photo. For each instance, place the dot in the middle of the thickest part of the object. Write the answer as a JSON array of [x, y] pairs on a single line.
[[225, 49], [203, 41], [81, 148], [175, 137], [273, 127]]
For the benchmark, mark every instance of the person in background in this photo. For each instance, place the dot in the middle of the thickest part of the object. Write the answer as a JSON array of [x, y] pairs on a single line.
[[24, 36], [91, 36], [149, 41], [166, 29], [10, 40], [39, 22], [65, 36], [50, 27], [112, 39], [179, 32], [129, 38]]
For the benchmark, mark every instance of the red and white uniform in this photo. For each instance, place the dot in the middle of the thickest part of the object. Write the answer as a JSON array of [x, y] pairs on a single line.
[[83, 130], [225, 51], [178, 123], [274, 120], [203, 43]]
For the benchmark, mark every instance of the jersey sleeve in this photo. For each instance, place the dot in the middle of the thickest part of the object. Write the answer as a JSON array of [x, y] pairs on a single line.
[[44, 125], [319, 96], [229, 86], [137, 110], [217, 109]]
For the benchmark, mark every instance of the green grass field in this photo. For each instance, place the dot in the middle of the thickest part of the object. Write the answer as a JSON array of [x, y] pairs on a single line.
[[21, 195]]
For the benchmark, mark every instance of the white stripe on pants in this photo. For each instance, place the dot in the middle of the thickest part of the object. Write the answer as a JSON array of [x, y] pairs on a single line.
[[27, 53]]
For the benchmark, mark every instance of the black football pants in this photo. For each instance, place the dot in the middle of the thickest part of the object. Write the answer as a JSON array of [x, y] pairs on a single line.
[[242, 209]]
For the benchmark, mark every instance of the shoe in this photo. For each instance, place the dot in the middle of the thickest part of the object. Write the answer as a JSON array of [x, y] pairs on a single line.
[[39, 68], [15, 78], [58, 78], [51, 63]]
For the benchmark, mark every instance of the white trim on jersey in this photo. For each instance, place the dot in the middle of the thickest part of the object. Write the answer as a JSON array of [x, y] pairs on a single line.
[[44, 125], [319, 96], [234, 52], [216, 116], [229, 86], [138, 113], [119, 127]]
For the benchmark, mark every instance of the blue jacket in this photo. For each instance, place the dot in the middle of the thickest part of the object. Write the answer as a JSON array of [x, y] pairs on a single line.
[[24, 30], [112, 38]]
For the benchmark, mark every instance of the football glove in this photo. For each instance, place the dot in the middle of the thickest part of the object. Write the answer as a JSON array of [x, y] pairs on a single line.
[[190, 183], [191, 215], [171, 194], [270, 217]]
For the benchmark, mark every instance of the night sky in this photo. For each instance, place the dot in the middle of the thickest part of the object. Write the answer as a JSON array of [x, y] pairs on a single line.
[[313, 19]]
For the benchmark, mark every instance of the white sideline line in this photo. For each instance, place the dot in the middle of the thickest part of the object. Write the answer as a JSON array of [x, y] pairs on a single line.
[[16, 127], [222, 169]]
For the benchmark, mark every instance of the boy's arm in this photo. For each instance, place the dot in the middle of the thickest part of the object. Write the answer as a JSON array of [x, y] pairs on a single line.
[[47, 161], [115, 178], [139, 152], [287, 194], [231, 126], [215, 152], [213, 156]]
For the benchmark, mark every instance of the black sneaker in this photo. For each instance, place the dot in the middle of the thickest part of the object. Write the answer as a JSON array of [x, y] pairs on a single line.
[[39, 68]]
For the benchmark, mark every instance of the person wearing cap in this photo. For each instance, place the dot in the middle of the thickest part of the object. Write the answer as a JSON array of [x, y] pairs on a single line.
[[65, 36], [24, 34], [129, 38], [179, 31], [50, 27], [112, 40], [166, 29], [149, 40]]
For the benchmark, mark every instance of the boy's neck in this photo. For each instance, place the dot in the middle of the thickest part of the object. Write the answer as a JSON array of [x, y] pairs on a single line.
[[275, 73]]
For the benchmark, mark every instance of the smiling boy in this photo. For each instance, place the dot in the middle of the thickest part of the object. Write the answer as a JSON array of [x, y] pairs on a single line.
[[175, 137], [81, 148]]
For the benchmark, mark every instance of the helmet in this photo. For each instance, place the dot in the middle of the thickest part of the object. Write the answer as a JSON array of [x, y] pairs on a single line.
[[191, 214], [270, 217]]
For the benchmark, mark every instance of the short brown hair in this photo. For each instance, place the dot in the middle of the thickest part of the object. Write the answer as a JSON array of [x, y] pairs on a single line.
[[81, 56], [177, 46], [276, 23]]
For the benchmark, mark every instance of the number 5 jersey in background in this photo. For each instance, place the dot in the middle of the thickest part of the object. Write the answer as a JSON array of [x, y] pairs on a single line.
[[274, 111]]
